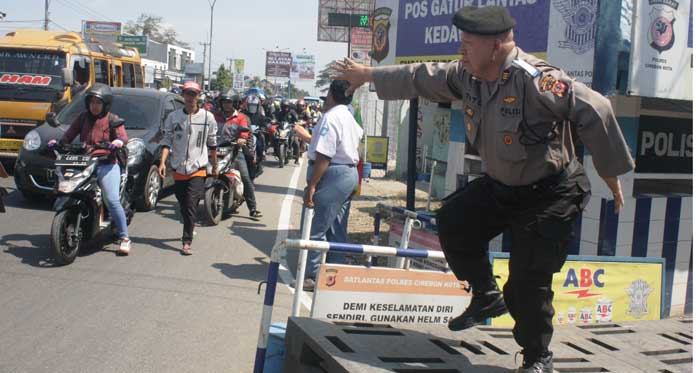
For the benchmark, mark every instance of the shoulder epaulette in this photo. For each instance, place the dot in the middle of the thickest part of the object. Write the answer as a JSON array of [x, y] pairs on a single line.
[[524, 65]]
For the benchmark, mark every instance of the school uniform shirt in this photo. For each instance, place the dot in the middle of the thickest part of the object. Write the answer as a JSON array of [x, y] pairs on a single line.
[[188, 136], [337, 136]]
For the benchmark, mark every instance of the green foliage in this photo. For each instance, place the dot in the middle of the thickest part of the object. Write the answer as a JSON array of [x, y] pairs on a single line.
[[223, 82], [324, 77], [150, 25]]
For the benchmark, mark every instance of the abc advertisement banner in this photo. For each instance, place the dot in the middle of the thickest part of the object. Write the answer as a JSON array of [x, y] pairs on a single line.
[[572, 29], [388, 295], [661, 51], [591, 290], [425, 31]]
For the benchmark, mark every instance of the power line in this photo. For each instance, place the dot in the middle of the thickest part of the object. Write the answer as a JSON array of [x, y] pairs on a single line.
[[59, 26], [90, 10], [75, 8], [26, 21]]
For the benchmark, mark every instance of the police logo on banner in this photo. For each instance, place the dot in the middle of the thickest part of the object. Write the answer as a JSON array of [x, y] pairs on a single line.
[[639, 292], [580, 17], [661, 32], [380, 33]]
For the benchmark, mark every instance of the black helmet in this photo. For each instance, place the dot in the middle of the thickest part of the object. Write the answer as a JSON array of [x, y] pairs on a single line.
[[103, 92], [285, 104]]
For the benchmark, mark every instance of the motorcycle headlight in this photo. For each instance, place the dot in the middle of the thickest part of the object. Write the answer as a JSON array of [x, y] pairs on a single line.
[[32, 140], [136, 149], [68, 186]]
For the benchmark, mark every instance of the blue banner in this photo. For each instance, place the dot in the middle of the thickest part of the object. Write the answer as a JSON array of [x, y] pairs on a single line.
[[425, 31]]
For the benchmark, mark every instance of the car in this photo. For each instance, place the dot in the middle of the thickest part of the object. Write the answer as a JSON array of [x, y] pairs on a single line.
[[144, 111], [313, 100]]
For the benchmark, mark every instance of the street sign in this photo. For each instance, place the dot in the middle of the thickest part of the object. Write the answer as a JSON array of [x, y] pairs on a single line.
[[138, 42], [349, 20]]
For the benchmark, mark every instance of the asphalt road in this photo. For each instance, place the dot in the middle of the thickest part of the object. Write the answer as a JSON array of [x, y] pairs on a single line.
[[152, 311]]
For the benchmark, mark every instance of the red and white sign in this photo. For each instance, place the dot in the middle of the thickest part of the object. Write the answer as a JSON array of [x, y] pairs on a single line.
[[388, 295], [25, 79]]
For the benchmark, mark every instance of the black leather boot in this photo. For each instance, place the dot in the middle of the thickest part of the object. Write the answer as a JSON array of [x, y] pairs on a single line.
[[486, 303], [538, 363]]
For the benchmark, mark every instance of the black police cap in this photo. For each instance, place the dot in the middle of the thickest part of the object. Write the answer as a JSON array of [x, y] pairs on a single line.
[[490, 20]]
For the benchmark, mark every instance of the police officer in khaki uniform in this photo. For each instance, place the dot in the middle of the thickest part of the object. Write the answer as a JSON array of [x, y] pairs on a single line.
[[518, 112]]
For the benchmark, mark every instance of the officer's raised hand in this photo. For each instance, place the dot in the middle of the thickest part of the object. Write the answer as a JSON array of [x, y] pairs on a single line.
[[355, 73]]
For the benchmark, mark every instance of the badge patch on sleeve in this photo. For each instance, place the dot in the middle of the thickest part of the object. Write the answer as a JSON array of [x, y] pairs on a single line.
[[546, 83], [507, 140], [324, 130], [559, 89]]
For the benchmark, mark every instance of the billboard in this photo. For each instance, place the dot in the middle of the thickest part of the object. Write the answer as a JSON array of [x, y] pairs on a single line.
[[661, 50], [426, 32], [339, 33], [278, 64], [302, 67], [361, 45], [238, 75], [590, 290], [107, 31]]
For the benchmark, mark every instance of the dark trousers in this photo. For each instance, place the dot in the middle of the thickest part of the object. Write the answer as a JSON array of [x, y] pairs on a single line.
[[540, 217], [189, 193], [249, 194]]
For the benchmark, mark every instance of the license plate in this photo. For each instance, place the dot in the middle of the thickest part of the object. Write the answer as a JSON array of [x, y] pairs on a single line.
[[72, 160], [11, 146]]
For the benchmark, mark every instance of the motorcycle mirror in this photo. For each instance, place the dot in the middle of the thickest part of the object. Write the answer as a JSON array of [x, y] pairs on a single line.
[[67, 75], [51, 119]]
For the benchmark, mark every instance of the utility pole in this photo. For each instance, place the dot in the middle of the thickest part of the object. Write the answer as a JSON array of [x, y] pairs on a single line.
[[210, 42], [46, 4], [230, 61], [205, 48]]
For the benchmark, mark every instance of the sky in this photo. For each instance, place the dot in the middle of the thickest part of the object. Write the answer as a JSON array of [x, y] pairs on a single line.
[[241, 29]]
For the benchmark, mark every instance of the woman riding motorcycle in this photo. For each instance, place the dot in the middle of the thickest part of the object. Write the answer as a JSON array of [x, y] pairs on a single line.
[[93, 128]]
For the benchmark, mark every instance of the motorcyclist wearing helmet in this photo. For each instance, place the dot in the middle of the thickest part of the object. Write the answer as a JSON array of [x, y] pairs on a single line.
[[288, 114], [252, 108], [93, 128], [230, 114]]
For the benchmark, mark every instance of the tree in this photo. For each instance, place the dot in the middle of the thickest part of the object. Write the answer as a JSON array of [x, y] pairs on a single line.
[[324, 77], [223, 82], [150, 25]]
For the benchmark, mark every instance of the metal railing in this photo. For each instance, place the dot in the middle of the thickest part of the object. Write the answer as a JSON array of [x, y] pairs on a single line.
[[324, 247]]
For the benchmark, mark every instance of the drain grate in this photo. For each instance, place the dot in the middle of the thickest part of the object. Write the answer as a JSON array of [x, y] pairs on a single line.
[[342, 346]]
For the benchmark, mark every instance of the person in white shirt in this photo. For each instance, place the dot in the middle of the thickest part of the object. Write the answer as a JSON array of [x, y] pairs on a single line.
[[332, 176]]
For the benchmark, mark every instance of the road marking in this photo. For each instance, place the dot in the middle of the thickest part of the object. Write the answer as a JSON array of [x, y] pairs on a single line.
[[282, 233]]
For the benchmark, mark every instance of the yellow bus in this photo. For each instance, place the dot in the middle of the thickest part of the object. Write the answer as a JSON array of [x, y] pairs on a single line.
[[40, 72]]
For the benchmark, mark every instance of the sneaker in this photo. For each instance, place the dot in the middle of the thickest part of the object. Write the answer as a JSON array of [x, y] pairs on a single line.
[[537, 364], [186, 249], [124, 248], [484, 305], [255, 214]]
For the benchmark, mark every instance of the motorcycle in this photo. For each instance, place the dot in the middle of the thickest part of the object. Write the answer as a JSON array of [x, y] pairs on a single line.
[[81, 213], [257, 132], [281, 143], [226, 191]]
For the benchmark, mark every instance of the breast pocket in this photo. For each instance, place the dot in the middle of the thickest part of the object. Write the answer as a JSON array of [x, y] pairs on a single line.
[[508, 145]]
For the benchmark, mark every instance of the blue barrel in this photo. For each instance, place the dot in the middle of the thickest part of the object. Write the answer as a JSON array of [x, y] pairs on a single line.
[[367, 170]]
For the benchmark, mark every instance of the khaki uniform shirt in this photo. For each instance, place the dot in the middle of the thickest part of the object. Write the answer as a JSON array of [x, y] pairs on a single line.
[[530, 100]]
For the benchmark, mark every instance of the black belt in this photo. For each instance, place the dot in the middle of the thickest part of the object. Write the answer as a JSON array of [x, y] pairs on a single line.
[[311, 163], [544, 183]]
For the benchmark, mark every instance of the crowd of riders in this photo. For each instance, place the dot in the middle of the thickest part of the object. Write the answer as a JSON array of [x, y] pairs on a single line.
[[218, 118]]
